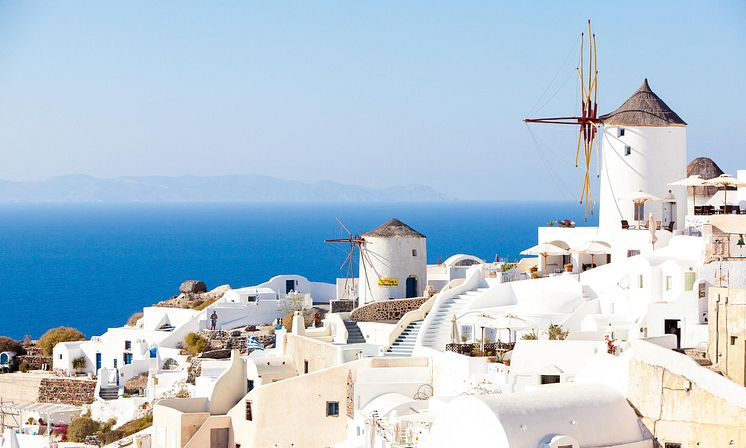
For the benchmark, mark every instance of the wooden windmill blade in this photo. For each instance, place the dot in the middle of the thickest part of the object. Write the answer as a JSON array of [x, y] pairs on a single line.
[[588, 120]]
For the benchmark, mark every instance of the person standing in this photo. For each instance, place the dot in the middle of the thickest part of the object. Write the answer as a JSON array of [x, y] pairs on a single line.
[[213, 320]]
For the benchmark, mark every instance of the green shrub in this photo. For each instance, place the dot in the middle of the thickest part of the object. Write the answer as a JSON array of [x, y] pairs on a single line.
[[556, 333], [530, 336], [195, 343], [24, 367], [79, 363], [82, 427], [56, 335]]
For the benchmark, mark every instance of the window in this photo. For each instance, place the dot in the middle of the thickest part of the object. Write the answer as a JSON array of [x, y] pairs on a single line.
[[620, 132], [627, 150], [550, 379], [305, 366], [60, 355], [332, 409], [733, 340], [632, 253], [669, 282], [249, 414], [672, 445], [414, 252], [640, 282], [128, 345], [466, 332], [249, 385], [689, 278]]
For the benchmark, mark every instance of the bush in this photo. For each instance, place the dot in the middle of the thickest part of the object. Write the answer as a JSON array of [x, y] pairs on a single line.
[[82, 427], [79, 363], [10, 345], [24, 367], [132, 321], [56, 335], [195, 343], [556, 333], [530, 336], [287, 321], [202, 305]]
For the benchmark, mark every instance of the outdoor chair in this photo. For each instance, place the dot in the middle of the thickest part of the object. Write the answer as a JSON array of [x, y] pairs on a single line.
[[625, 224], [669, 227]]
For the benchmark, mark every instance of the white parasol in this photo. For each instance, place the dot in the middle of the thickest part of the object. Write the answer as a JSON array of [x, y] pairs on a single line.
[[593, 248], [639, 198], [652, 226], [545, 249], [724, 181], [693, 181]]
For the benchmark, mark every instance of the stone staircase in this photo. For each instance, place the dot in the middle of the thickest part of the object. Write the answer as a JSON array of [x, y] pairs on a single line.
[[109, 393], [354, 335], [404, 344], [438, 333]]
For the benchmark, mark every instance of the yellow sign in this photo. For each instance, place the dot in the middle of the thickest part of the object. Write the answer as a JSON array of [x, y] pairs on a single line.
[[388, 282]]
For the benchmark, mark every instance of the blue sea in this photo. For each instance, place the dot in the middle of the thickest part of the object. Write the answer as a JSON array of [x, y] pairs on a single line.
[[91, 266]]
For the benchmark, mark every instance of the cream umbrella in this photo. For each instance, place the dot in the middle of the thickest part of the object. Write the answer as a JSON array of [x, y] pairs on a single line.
[[592, 248], [455, 338], [507, 321], [725, 181], [639, 198], [652, 226], [545, 249], [693, 181]]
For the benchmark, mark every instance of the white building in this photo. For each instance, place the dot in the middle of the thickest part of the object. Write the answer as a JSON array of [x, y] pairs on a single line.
[[644, 148], [393, 263]]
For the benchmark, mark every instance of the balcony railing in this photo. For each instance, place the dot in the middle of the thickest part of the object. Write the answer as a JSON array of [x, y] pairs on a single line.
[[496, 349]]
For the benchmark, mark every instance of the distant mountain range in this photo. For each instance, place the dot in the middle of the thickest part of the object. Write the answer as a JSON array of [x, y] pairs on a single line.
[[240, 188]]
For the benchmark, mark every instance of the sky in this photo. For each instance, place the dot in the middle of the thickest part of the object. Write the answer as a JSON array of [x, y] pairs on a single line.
[[370, 93]]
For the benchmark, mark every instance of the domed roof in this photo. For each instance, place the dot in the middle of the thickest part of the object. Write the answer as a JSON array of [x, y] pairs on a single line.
[[643, 108], [705, 167], [393, 228]]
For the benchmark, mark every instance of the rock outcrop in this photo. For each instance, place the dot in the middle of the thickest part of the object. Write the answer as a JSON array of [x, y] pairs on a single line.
[[193, 287]]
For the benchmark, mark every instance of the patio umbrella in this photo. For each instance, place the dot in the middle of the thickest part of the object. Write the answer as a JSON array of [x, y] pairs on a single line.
[[725, 181], [652, 226], [508, 321], [545, 249], [455, 338], [593, 248], [639, 198], [693, 181]]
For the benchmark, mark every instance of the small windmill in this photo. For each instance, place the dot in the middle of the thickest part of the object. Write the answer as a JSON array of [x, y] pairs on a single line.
[[588, 120], [355, 244]]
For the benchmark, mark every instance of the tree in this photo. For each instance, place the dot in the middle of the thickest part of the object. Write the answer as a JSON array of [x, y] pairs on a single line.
[[556, 333], [10, 345], [82, 427], [79, 363], [56, 335]]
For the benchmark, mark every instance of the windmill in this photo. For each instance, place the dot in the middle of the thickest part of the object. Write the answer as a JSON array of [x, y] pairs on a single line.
[[588, 120], [355, 244]]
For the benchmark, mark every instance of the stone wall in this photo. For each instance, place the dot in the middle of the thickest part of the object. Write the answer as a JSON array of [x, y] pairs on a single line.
[[386, 310], [67, 391], [234, 340], [699, 409], [341, 306], [727, 331], [35, 358]]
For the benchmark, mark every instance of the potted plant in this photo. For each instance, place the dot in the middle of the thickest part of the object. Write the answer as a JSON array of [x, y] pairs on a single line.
[[79, 363]]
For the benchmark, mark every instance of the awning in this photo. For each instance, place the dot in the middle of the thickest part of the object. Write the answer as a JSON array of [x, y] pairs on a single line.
[[41, 408]]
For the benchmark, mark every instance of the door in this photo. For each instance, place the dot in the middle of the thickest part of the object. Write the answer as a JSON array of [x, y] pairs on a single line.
[[98, 361], [671, 326], [411, 287], [289, 286], [219, 438], [128, 358]]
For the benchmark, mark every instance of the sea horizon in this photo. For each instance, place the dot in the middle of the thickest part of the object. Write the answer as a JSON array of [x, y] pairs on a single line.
[[92, 265]]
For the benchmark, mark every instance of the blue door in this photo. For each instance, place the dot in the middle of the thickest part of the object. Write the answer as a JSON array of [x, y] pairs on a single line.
[[98, 361], [411, 287], [128, 358]]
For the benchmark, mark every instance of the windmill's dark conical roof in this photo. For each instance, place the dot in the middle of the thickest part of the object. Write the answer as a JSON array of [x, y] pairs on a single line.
[[643, 108], [705, 167], [393, 228]]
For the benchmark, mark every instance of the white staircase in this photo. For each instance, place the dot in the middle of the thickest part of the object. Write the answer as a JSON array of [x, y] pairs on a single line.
[[404, 344], [438, 331]]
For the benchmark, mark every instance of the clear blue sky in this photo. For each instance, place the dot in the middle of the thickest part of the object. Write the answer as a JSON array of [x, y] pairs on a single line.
[[372, 93]]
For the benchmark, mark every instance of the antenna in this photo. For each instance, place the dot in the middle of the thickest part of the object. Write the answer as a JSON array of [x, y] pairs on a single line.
[[588, 120]]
